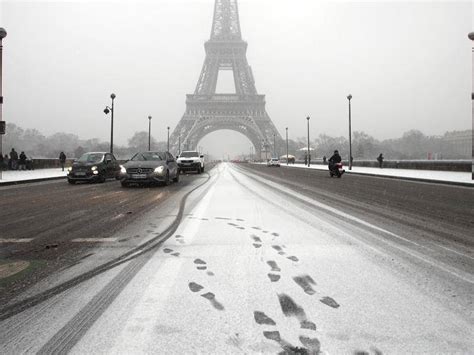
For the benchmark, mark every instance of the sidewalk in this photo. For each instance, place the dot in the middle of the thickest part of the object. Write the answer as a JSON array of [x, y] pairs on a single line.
[[23, 176], [447, 177]]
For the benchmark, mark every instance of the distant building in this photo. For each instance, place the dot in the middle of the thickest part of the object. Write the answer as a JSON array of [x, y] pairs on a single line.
[[459, 142]]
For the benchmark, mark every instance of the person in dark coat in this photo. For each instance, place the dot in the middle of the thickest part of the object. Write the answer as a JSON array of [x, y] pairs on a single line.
[[22, 162], [380, 160], [336, 158], [324, 160], [62, 159], [8, 162], [13, 159]]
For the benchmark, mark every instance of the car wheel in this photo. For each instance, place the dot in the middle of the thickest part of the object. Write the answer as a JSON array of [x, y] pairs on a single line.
[[176, 179], [72, 182], [124, 184], [167, 178]]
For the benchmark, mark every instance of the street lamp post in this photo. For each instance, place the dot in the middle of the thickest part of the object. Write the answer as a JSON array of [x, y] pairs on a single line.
[[265, 146], [274, 146], [471, 37], [149, 133], [286, 145], [3, 34], [179, 145], [349, 98], [308, 153], [168, 140], [111, 110]]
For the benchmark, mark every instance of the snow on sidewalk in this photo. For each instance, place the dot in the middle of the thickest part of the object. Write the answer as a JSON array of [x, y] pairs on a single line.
[[446, 176], [22, 175]]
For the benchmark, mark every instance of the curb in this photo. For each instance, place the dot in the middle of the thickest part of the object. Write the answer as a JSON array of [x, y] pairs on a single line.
[[19, 182], [407, 178]]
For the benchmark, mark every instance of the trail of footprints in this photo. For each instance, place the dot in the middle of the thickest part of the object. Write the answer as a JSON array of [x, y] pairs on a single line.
[[309, 345]]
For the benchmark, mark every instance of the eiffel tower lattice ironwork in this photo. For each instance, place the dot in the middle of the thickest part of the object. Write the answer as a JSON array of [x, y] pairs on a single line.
[[244, 111]]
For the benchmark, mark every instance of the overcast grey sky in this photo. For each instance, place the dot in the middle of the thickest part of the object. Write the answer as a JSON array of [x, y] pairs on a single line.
[[407, 64]]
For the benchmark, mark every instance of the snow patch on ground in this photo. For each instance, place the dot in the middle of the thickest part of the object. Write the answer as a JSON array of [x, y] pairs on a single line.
[[22, 175]]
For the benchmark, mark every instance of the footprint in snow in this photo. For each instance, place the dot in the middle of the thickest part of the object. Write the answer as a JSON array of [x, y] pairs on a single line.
[[291, 309], [257, 240], [202, 265], [329, 302], [272, 275], [195, 287], [305, 282], [311, 345], [170, 251], [278, 249]]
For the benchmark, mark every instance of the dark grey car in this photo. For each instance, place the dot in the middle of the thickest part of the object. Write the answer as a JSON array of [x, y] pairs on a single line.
[[93, 167], [149, 167]]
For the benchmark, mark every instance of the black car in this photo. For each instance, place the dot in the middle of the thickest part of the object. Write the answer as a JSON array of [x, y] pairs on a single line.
[[93, 167], [149, 167]]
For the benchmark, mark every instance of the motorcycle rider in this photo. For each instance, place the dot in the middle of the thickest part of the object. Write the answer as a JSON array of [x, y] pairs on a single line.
[[336, 158]]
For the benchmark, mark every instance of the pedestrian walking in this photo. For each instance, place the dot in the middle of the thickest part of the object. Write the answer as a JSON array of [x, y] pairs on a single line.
[[8, 162], [324, 160], [62, 159], [22, 161], [13, 159], [380, 160]]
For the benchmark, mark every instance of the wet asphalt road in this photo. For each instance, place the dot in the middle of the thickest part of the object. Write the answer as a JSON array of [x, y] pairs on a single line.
[[51, 215], [422, 211]]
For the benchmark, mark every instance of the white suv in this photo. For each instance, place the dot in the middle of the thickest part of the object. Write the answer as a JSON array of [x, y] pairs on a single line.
[[191, 160], [273, 162]]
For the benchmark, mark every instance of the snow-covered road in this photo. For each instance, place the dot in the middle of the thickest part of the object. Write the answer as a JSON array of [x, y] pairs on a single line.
[[250, 270]]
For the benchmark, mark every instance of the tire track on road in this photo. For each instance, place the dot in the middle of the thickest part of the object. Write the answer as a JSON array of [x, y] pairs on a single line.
[[134, 253]]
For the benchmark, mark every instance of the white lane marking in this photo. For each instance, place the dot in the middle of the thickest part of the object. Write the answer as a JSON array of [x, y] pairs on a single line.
[[94, 240], [15, 240], [120, 215], [454, 251], [157, 197], [345, 215], [107, 195]]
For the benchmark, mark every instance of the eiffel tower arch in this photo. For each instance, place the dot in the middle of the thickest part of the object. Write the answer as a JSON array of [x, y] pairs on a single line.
[[208, 111]]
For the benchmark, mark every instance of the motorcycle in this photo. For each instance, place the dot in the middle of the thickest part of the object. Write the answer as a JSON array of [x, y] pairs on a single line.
[[336, 170]]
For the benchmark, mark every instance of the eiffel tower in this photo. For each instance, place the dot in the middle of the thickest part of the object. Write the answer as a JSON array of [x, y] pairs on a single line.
[[208, 111]]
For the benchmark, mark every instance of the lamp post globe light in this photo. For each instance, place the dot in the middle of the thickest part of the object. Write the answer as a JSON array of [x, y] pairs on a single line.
[[308, 153], [349, 98], [149, 133], [3, 34], [111, 110]]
